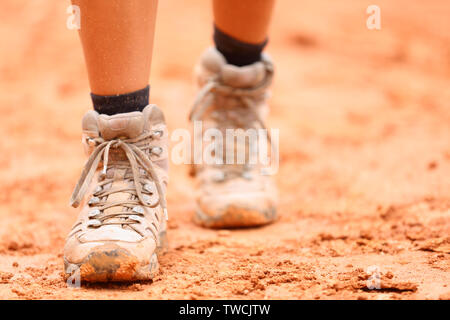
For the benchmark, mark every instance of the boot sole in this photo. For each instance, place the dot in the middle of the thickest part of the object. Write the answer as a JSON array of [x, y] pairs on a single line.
[[112, 263], [236, 217]]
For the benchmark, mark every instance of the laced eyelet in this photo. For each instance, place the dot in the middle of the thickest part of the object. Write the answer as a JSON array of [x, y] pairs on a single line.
[[136, 218], [94, 200], [150, 200], [90, 142], [138, 209], [98, 190], [150, 188], [93, 213], [94, 224], [158, 134], [157, 151], [146, 199]]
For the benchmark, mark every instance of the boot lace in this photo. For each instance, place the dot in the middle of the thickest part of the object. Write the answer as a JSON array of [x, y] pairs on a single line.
[[143, 191]]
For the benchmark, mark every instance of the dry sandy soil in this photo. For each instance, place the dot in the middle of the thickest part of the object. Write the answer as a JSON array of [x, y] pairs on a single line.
[[364, 123]]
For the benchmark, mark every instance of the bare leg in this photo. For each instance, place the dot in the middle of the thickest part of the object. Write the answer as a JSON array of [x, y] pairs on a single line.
[[245, 20], [117, 38]]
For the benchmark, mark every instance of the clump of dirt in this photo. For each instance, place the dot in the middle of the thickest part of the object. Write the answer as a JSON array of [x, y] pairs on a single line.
[[5, 277], [437, 245]]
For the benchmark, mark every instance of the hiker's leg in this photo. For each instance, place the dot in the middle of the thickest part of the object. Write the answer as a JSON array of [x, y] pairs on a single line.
[[241, 28], [117, 38]]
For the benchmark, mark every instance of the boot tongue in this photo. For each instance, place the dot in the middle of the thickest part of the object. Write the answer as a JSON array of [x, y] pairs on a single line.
[[243, 77], [125, 125], [119, 181]]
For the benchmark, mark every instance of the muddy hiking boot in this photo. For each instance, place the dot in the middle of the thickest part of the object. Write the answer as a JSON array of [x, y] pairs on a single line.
[[231, 193], [122, 225]]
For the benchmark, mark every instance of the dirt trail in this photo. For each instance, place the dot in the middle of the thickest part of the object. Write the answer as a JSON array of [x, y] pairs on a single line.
[[364, 124]]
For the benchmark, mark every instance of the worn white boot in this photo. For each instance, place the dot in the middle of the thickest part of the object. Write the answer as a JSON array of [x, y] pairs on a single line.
[[231, 97], [122, 225]]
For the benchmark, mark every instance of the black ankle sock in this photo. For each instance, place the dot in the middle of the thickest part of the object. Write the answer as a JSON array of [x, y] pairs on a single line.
[[121, 103], [235, 51]]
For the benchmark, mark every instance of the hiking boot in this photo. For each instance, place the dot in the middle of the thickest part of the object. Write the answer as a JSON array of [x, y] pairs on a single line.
[[231, 194], [122, 224]]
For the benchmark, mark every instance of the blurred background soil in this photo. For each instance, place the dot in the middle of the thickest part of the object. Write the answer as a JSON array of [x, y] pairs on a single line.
[[364, 121]]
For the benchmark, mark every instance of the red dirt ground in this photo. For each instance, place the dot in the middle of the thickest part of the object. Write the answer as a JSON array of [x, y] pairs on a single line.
[[365, 150]]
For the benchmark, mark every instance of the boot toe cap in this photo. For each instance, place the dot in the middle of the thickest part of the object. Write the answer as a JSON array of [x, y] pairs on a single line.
[[230, 210]]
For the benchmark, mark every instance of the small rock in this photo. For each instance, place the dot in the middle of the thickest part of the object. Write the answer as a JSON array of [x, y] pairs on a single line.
[[13, 246], [432, 165]]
